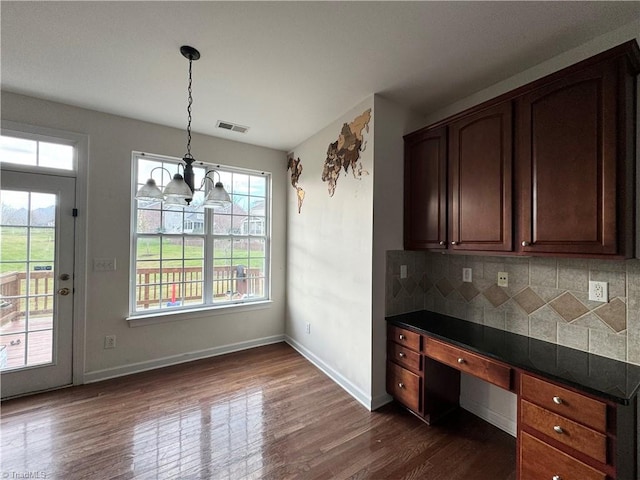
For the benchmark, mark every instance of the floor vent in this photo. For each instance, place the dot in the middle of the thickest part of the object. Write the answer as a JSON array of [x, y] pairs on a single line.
[[232, 126]]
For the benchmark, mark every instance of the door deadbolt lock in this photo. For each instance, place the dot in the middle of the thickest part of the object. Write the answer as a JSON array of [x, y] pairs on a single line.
[[64, 291], [64, 276]]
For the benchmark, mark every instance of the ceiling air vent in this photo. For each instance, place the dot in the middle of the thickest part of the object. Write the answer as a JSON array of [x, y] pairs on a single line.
[[232, 126]]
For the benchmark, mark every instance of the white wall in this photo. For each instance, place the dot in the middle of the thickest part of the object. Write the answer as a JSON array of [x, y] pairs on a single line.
[[329, 252], [111, 140], [392, 122]]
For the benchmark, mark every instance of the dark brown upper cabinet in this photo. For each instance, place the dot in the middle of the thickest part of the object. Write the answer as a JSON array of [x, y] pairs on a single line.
[[425, 183], [546, 169], [480, 175], [573, 168]]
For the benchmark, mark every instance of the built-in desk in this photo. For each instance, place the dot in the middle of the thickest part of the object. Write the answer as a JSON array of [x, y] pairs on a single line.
[[577, 412]]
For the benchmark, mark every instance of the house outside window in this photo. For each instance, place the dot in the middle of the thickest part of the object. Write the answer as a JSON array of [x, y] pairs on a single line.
[[190, 257]]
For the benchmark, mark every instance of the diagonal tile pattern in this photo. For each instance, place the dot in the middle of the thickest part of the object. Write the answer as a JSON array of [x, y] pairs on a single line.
[[568, 307], [445, 287], [468, 291], [529, 300], [496, 295], [613, 314]]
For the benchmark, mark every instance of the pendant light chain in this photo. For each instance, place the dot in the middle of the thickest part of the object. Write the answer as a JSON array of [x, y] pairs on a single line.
[[188, 154]]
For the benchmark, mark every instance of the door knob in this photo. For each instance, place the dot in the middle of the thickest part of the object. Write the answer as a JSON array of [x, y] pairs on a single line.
[[64, 291]]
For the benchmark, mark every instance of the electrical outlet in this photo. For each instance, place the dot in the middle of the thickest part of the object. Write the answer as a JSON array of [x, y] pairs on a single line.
[[599, 291], [467, 275], [403, 271], [110, 341], [503, 279], [308, 327]]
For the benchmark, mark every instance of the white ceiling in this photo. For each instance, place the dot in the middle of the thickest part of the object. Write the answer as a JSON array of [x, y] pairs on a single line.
[[285, 69]]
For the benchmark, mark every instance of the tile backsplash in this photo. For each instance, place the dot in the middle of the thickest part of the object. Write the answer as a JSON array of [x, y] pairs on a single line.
[[547, 298]]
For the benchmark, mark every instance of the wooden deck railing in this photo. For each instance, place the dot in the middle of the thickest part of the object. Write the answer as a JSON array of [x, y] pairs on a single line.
[[13, 286], [153, 286]]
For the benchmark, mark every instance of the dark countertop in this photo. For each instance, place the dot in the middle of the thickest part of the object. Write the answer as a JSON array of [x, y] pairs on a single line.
[[610, 379]]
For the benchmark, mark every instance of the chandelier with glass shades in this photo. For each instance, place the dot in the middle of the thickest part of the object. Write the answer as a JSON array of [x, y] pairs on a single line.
[[179, 191]]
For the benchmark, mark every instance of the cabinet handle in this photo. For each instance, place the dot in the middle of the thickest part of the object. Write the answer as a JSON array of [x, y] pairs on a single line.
[[401, 385], [402, 337], [558, 429], [556, 477], [442, 242], [454, 243], [402, 354], [461, 361], [525, 243], [557, 400]]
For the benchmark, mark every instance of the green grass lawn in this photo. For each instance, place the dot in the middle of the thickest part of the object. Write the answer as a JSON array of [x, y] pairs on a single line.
[[13, 248]]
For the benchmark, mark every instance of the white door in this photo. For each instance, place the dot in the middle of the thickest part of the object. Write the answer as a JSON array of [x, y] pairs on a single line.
[[36, 281]]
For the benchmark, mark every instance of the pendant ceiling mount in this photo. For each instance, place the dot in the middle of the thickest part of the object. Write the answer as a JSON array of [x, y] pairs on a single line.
[[189, 53]]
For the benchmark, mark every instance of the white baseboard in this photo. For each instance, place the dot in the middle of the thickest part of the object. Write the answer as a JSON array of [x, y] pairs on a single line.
[[337, 377], [108, 373], [381, 400], [503, 423]]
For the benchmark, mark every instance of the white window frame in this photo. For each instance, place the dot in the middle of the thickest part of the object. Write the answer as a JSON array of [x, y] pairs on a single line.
[[143, 317]]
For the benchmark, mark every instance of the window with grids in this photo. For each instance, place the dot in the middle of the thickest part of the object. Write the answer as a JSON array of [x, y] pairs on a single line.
[[193, 257]]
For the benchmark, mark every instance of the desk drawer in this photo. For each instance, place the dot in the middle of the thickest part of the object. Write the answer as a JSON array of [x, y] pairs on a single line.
[[541, 461], [565, 431], [468, 362], [569, 404], [404, 337], [405, 357], [404, 386]]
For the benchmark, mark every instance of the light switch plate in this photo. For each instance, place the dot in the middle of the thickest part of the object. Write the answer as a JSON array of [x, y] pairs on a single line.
[[104, 264], [403, 271], [467, 275]]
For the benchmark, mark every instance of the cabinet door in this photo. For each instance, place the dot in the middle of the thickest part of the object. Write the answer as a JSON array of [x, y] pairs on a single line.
[[425, 194], [480, 161], [568, 162]]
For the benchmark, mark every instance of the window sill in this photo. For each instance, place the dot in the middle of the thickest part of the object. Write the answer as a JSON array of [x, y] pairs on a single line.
[[173, 316]]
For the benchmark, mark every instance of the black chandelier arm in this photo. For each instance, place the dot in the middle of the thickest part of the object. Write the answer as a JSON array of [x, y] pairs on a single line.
[[160, 168], [207, 177]]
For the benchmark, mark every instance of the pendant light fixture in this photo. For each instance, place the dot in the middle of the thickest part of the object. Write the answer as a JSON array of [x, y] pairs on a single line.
[[179, 191]]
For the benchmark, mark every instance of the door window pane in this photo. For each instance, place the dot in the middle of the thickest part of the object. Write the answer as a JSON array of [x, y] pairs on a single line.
[[27, 279]]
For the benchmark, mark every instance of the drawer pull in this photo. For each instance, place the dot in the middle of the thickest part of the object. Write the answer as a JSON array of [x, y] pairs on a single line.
[[558, 429], [402, 354], [454, 243], [556, 477], [461, 361], [401, 385], [442, 242], [557, 400], [402, 337], [526, 244]]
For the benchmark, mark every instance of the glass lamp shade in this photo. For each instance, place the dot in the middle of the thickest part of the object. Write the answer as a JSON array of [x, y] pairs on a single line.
[[217, 197], [178, 188], [175, 202], [150, 191]]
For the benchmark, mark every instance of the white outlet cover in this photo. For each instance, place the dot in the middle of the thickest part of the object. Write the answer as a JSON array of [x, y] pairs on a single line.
[[599, 291], [503, 279]]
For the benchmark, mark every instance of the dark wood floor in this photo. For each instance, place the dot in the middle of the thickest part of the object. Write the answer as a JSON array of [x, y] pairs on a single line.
[[263, 413]]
